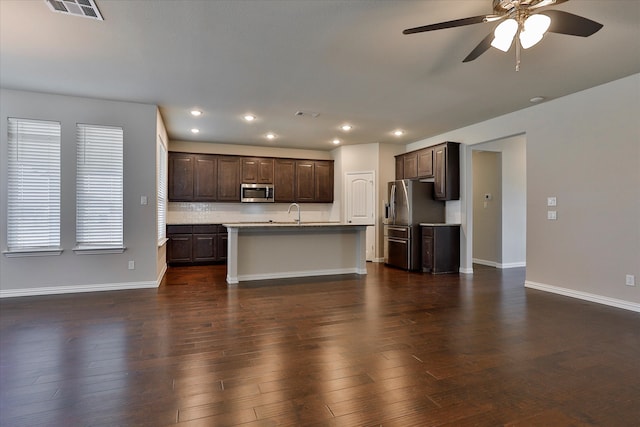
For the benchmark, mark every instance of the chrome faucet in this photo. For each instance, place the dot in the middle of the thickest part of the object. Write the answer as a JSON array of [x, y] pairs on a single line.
[[297, 206]]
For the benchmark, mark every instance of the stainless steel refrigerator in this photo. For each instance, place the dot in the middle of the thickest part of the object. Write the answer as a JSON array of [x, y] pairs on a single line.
[[410, 203]]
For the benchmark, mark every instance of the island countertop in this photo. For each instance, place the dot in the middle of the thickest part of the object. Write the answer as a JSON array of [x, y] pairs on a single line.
[[270, 224]]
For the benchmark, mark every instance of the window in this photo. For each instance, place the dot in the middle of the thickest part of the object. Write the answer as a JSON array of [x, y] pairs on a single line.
[[33, 204], [99, 189], [162, 191]]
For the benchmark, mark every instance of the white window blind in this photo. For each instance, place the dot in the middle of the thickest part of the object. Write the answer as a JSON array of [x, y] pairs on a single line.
[[162, 191], [33, 205], [99, 187]]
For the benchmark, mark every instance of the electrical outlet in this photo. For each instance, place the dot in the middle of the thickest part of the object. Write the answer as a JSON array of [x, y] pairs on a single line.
[[552, 215], [552, 201], [132, 265], [630, 280]]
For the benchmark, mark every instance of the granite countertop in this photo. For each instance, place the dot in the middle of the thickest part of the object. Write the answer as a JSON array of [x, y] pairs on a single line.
[[285, 224], [439, 224]]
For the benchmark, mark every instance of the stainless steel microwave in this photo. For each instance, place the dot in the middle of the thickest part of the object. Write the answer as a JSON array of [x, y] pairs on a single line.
[[256, 193]]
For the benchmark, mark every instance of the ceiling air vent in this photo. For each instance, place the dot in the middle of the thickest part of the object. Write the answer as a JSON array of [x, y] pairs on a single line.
[[85, 8]]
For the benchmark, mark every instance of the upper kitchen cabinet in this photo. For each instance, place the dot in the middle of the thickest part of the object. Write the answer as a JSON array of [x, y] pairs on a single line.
[[410, 161], [257, 170], [440, 163], [192, 177], [324, 181], [446, 167], [314, 181], [228, 179], [181, 177], [425, 163], [204, 178], [284, 187]]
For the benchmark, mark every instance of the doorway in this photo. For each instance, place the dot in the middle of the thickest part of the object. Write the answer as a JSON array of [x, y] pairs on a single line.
[[360, 205], [499, 202]]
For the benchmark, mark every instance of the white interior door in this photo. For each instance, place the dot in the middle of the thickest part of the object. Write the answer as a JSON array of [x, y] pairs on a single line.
[[360, 205]]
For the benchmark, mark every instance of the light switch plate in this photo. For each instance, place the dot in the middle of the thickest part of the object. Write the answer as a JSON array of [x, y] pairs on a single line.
[[551, 201], [143, 200], [552, 215]]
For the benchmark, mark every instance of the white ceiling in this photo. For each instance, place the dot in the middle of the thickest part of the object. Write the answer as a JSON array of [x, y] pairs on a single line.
[[346, 60]]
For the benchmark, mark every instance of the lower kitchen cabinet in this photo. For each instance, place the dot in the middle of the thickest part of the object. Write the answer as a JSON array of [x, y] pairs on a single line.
[[440, 248], [196, 244]]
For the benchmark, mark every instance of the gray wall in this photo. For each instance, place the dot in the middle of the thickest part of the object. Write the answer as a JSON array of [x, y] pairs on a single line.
[[71, 272], [585, 150]]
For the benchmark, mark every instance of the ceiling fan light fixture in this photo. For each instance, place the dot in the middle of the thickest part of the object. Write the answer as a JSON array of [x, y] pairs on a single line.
[[503, 34], [534, 28]]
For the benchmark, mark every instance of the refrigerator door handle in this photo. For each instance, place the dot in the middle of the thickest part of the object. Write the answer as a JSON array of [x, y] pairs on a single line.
[[392, 203]]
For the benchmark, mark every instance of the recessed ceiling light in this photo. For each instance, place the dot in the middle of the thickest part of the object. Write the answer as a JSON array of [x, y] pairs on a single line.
[[537, 99], [270, 135], [346, 127], [249, 117], [336, 141], [194, 130], [196, 113], [398, 132]]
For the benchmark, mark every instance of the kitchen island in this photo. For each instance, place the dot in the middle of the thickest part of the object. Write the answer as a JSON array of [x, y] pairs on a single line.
[[272, 250]]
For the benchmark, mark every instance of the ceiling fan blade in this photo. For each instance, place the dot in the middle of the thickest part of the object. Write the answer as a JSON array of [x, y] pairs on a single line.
[[547, 3], [482, 47], [447, 24], [573, 25]]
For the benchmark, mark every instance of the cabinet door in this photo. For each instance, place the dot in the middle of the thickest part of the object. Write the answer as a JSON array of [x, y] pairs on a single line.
[[265, 171], [324, 181], [222, 246], [249, 170], [305, 181], [399, 167], [440, 172], [204, 247], [410, 165], [284, 180], [180, 177], [179, 248], [425, 163], [427, 249], [205, 178], [228, 179]]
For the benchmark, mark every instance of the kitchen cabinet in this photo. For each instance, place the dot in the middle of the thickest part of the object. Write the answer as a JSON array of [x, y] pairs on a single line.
[[196, 244], [284, 187], [204, 178], [324, 181], [399, 167], [446, 171], [181, 177], [305, 181], [314, 181], [257, 170], [425, 163], [410, 165], [217, 178], [440, 163], [228, 179], [440, 248]]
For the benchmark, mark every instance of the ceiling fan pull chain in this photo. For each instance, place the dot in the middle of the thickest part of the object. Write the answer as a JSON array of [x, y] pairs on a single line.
[[517, 54]]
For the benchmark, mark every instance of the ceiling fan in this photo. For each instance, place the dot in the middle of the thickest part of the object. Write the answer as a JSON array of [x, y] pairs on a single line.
[[522, 22]]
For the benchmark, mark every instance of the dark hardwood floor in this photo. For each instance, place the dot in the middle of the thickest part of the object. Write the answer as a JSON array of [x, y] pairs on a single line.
[[391, 348]]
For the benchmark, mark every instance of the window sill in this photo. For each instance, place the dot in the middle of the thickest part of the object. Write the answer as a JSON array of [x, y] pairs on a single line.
[[18, 253], [97, 250], [162, 242]]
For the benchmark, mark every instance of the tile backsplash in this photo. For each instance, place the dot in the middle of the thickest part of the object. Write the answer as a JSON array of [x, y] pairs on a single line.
[[218, 213]]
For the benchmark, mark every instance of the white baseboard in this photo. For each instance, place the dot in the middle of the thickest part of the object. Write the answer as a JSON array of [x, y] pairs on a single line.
[[613, 302], [466, 270], [498, 264], [161, 275], [54, 290]]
